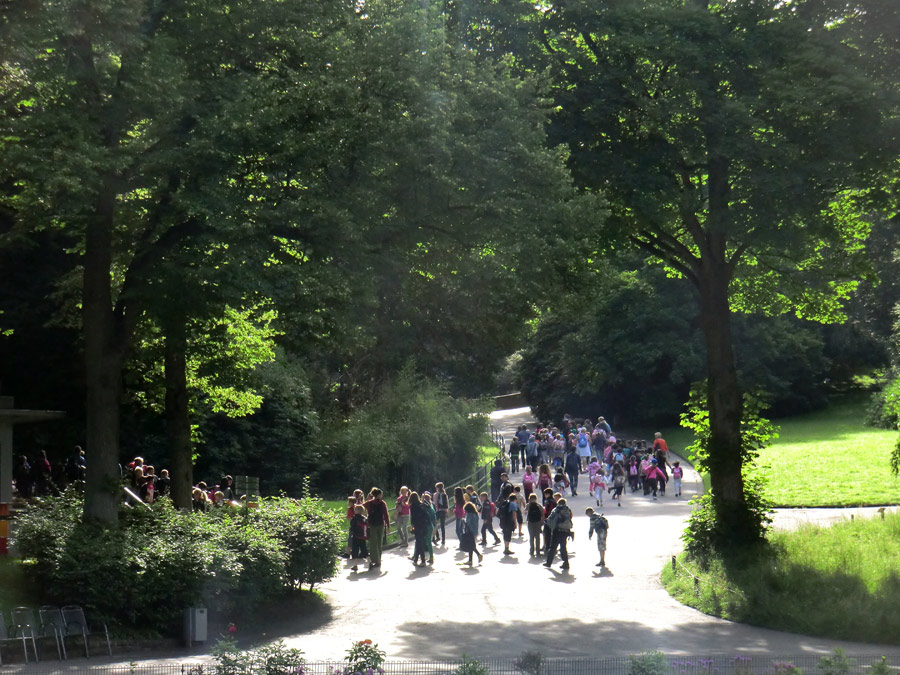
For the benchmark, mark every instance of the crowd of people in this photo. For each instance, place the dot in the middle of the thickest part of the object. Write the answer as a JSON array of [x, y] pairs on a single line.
[[38, 476], [553, 463], [144, 482]]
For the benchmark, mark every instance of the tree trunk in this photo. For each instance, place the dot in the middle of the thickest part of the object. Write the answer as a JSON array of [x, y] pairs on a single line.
[[725, 407], [178, 424], [103, 353]]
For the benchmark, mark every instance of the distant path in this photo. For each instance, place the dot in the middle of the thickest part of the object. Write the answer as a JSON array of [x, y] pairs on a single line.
[[510, 605]]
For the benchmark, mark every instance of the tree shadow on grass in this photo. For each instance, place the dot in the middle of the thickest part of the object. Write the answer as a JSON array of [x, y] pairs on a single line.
[[778, 594]]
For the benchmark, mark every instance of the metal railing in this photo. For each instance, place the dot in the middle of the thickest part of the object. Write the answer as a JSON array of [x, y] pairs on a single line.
[[653, 663]]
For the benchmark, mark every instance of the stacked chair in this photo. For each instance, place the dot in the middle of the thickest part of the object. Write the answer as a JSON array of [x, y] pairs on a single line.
[[54, 622]]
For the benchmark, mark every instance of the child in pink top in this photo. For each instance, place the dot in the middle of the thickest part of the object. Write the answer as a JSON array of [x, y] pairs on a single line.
[[599, 484], [677, 475], [403, 515], [528, 480]]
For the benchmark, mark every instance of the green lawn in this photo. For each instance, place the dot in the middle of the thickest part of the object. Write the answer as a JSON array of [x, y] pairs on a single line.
[[826, 458], [840, 582], [831, 458]]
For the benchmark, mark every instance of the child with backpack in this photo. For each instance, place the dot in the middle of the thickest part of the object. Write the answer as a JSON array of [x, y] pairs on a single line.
[[359, 534], [599, 484], [441, 506], [677, 475], [600, 525], [520, 501], [560, 482], [528, 480], [488, 509]]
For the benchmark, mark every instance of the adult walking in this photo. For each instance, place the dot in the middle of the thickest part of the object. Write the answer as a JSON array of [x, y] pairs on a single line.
[[419, 521], [496, 479], [522, 435], [532, 452], [573, 468], [507, 506], [469, 531], [661, 452], [441, 506], [379, 521], [560, 523], [431, 516], [583, 445], [514, 453]]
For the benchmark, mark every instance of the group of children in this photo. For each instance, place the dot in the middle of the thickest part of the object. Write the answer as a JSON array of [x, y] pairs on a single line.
[[145, 483], [543, 512]]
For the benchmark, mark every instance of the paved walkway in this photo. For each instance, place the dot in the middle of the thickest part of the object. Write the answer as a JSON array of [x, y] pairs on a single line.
[[510, 604]]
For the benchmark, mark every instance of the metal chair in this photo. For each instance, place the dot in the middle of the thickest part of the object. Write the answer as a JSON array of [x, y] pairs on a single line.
[[23, 625], [76, 624], [52, 623], [6, 635]]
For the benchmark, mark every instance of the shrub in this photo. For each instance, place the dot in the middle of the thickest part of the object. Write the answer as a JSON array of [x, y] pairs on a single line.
[[836, 663], [272, 659], [160, 560], [364, 656], [648, 663], [413, 431], [41, 532], [312, 534], [530, 663], [471, 667]]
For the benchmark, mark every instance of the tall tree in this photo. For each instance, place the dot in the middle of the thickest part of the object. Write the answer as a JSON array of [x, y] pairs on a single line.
[[118, 113], [738, 143]]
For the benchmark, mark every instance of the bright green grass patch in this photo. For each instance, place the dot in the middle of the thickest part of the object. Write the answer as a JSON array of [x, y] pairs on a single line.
[[841, 582], [826, 458], [831, 458]]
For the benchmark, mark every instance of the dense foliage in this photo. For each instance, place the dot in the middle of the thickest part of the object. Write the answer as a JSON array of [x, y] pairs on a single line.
[[142, 574], [264, 209], [413, 433], [627, 345]]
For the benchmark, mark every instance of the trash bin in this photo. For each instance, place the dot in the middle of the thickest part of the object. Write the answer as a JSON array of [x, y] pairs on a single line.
[[194, 625]]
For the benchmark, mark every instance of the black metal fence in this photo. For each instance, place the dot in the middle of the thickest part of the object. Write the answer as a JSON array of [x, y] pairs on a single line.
[[653, 663]]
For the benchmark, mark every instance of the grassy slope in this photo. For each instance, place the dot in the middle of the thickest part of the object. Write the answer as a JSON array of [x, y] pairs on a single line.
[[841, 582]]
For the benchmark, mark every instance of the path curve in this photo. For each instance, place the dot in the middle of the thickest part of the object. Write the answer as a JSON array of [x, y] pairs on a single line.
[[509, 605]]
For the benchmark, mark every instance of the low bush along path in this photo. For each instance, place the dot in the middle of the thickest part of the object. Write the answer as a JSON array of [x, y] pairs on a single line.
[[512, 604]]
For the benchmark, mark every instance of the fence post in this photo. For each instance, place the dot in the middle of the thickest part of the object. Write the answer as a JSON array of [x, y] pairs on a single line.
[[696, 587]]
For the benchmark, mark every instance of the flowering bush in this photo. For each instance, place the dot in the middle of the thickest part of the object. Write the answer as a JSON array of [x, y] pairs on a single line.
[[364, 657], [273, 659]]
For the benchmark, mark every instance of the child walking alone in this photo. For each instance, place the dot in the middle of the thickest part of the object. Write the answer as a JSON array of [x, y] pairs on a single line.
[[600, 525], [677, 475]]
